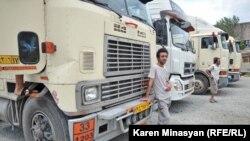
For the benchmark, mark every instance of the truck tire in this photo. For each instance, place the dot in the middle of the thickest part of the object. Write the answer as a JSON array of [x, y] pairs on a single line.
[[42, 121], [201, 84]]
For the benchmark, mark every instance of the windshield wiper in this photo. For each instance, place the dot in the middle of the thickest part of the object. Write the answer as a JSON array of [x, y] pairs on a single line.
[[106, 6], [139, 18], [182, 46], [142, 20]]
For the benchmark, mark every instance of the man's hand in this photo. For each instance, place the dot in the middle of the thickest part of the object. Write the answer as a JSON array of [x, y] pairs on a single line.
[[211, 76], [168, 87], [147, 99]]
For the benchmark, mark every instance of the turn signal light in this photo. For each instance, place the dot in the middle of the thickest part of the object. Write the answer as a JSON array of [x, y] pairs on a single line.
[[191, 28], [223, 73], [48, 47], [236, 70]]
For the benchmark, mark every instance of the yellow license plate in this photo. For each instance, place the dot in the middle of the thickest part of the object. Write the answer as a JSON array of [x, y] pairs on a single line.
[[141, 107]]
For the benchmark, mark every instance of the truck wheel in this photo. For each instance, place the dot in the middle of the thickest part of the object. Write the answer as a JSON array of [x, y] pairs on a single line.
[[201, 84], [42, 121]]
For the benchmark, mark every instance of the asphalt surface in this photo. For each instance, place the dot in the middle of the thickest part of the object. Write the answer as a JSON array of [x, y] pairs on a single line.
[[232, 107]]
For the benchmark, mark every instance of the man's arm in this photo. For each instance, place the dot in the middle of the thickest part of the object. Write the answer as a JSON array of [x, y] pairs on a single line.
[[150, 85], [208, 71], [151, 76]]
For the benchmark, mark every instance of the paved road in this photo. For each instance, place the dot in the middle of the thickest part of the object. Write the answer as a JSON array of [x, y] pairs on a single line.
[[232, 108]]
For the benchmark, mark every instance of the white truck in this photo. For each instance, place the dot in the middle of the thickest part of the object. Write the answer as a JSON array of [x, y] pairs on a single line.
[[209, 42], [172, 30], [235, 59], [85, 65]]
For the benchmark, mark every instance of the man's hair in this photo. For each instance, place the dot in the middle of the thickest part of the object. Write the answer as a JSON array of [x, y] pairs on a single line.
[[216, 59], [162, 50]]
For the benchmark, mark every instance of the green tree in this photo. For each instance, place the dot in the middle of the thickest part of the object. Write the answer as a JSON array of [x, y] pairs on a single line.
[[228, 25], [242, 45]]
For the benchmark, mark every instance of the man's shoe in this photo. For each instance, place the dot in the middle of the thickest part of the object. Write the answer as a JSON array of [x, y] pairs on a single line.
[[214, 100], [211, 101]]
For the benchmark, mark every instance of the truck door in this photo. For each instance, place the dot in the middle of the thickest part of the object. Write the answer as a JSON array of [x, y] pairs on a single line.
[[224, 52], [208, 51], [22, 31]]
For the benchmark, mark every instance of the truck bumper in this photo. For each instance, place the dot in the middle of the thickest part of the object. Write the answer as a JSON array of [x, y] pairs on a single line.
[[233, 76], [223, 82], [109, 123], [187, 88]]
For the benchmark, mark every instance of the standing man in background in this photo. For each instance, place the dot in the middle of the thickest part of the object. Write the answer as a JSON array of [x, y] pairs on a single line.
[[214, 74], [158, 80]]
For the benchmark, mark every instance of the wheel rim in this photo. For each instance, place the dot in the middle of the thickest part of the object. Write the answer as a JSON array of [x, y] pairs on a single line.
[[42, 128], [199, 86]]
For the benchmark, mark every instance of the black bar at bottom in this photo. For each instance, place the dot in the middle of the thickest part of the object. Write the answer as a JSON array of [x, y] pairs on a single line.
[[189, 132]]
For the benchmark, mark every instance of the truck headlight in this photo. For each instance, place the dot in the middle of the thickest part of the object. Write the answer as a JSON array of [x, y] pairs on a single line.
[[177, 85], [91, 94]]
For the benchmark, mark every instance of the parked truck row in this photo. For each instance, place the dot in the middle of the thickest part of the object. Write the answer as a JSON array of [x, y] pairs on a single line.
[[86, 63]]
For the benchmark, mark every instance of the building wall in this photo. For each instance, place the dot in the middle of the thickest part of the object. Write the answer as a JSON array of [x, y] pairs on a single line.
[[243, 32]]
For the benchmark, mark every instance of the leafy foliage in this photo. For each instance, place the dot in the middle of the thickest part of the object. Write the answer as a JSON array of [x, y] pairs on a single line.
[[228, 24]]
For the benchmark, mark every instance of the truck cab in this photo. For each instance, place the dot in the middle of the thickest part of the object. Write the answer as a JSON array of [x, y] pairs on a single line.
[[172, 29], [209, 42], [85, 65], [234, 60]]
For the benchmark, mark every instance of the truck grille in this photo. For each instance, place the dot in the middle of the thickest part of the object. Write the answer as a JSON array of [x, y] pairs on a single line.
[[189, 68], [120, 88], [125, 56]]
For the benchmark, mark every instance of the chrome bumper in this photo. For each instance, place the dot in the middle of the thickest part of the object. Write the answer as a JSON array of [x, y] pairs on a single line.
[[233, 76], [113, 119], [223, 82]]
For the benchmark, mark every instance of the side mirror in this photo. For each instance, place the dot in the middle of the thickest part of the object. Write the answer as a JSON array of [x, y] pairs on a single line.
[[227, 36], [215, 39], [161, 31]]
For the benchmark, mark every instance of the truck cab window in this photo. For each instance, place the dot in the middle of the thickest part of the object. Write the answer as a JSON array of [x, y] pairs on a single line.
[[237, 47], [117, 5], [133, 8], [28, 46], [180, 37], [138, 9], [206, 42]]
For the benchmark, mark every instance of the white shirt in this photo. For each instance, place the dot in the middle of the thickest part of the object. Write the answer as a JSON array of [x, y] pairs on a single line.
[[215, 71], [160, 76]]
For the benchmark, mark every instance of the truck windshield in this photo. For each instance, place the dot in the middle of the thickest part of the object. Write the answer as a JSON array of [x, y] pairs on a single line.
[[179, 36], [224, 42], [131, 8], [237, 45]]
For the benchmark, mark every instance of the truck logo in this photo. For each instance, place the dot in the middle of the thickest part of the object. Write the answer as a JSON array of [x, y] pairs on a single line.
[[141, 34], [9, 59], [120, 28]]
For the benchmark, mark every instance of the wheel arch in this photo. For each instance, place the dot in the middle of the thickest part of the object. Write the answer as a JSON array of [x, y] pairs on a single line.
[[45, 97], [199, 72], [42, 91]]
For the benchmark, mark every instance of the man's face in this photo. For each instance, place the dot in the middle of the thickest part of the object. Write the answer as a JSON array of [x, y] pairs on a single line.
[[218, 62], [163, 58]]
